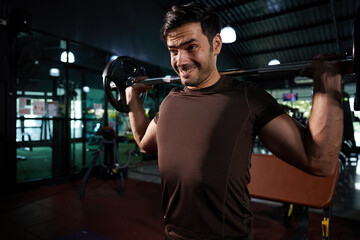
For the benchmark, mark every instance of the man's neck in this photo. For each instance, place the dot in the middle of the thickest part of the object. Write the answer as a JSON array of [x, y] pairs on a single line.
[[211, 80]]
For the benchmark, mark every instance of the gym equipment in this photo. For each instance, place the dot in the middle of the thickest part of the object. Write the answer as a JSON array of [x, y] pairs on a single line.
[[121, 73], [108, 141], [116, 79], [116, 75], [275, 180]]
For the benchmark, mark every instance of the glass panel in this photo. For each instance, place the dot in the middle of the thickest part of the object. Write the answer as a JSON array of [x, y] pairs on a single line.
[[40, 108], [61, 108], [33, 163], [28, 130], [94, 110], [76, 147], [75, 85]]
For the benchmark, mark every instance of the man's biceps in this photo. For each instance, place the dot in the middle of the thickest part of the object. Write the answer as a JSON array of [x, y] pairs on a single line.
[[282, 126]]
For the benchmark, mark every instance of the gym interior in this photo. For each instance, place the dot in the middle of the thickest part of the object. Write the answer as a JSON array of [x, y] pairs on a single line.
[[64, 177]]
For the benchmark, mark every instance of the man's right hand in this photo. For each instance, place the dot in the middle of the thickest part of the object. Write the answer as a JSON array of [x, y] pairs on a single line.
[[134, 90], [144, 131]]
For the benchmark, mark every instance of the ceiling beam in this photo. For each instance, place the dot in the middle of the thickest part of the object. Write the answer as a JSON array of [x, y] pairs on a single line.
[[232, 4], [294, 29], [291, 47], [335, 26], [273, 15]]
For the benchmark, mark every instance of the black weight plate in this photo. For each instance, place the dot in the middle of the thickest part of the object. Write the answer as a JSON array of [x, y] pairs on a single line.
[[115, 76]]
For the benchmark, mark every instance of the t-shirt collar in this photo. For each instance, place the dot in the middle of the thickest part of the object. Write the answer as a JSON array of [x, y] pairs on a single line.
[[211, 88]]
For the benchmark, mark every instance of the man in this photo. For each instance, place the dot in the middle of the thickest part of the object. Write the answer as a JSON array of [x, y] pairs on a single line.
[[204, 133]]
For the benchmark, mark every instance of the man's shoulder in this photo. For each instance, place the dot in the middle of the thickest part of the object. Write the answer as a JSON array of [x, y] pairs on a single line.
[[175, 91], [238, 84]]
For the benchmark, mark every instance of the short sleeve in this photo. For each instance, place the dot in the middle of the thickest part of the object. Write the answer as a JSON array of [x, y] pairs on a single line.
[[263, 106], [172, 92]]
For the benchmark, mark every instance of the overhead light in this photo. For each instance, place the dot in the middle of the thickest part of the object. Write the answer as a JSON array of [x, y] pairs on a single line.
[[54, 72], [303, 80], [228, 35], [274, 62], [86, 89], [64, 57], [113, 57]]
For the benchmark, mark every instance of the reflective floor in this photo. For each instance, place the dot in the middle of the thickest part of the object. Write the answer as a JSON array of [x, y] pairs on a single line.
[[57, 212], [346, 202]]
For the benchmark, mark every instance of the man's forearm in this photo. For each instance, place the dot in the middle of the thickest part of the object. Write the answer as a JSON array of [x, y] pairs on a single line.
[[325, 128], [138, 120]]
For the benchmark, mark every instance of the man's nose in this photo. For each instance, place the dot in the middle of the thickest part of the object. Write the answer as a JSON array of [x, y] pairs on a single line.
[[182, 58]]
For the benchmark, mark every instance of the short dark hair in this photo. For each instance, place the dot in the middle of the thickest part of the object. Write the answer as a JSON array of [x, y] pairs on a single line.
[[179, 15]]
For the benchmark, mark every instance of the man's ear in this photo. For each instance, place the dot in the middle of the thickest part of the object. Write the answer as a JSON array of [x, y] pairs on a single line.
[[217, 44]]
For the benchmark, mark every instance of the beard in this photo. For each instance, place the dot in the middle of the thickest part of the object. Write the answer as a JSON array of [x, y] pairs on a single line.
[[191, 81], [196, 78]]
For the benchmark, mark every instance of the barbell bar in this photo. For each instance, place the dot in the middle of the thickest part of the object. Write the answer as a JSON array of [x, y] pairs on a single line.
[[272, 69], [122, 72]]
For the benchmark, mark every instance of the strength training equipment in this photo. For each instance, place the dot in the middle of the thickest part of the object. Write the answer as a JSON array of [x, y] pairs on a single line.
[[122, 72], [117, 76], [107, 147]]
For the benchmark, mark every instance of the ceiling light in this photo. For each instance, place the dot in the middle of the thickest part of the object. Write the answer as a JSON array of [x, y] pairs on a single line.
[[228, 35], [303, 80], [64, 57], [113, 57], [274, 62], [86, 89], [54, 72]]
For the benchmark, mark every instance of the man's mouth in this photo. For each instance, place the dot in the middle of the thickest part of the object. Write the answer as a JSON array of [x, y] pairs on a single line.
[[185, 70]]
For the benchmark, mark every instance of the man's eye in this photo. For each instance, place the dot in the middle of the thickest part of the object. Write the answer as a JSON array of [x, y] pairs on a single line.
[[173, 51], [192, 47]]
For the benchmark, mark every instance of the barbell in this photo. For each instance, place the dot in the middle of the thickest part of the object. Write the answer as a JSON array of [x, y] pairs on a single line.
[[121, 73]]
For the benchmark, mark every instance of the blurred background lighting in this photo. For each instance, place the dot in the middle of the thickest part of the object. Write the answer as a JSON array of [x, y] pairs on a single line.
[[113, 57], [86, 89], [228, 35], [64, 57], [274, 62], [54, 72]]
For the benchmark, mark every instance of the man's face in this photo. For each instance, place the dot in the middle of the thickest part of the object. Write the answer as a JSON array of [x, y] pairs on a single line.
[[191, 56]]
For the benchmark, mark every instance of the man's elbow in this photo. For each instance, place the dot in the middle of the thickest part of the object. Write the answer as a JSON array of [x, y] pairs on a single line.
[[325, 172], [325, 169], [146, 149]]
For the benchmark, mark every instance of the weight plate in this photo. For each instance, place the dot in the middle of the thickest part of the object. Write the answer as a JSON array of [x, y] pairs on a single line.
[[115, 76]]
